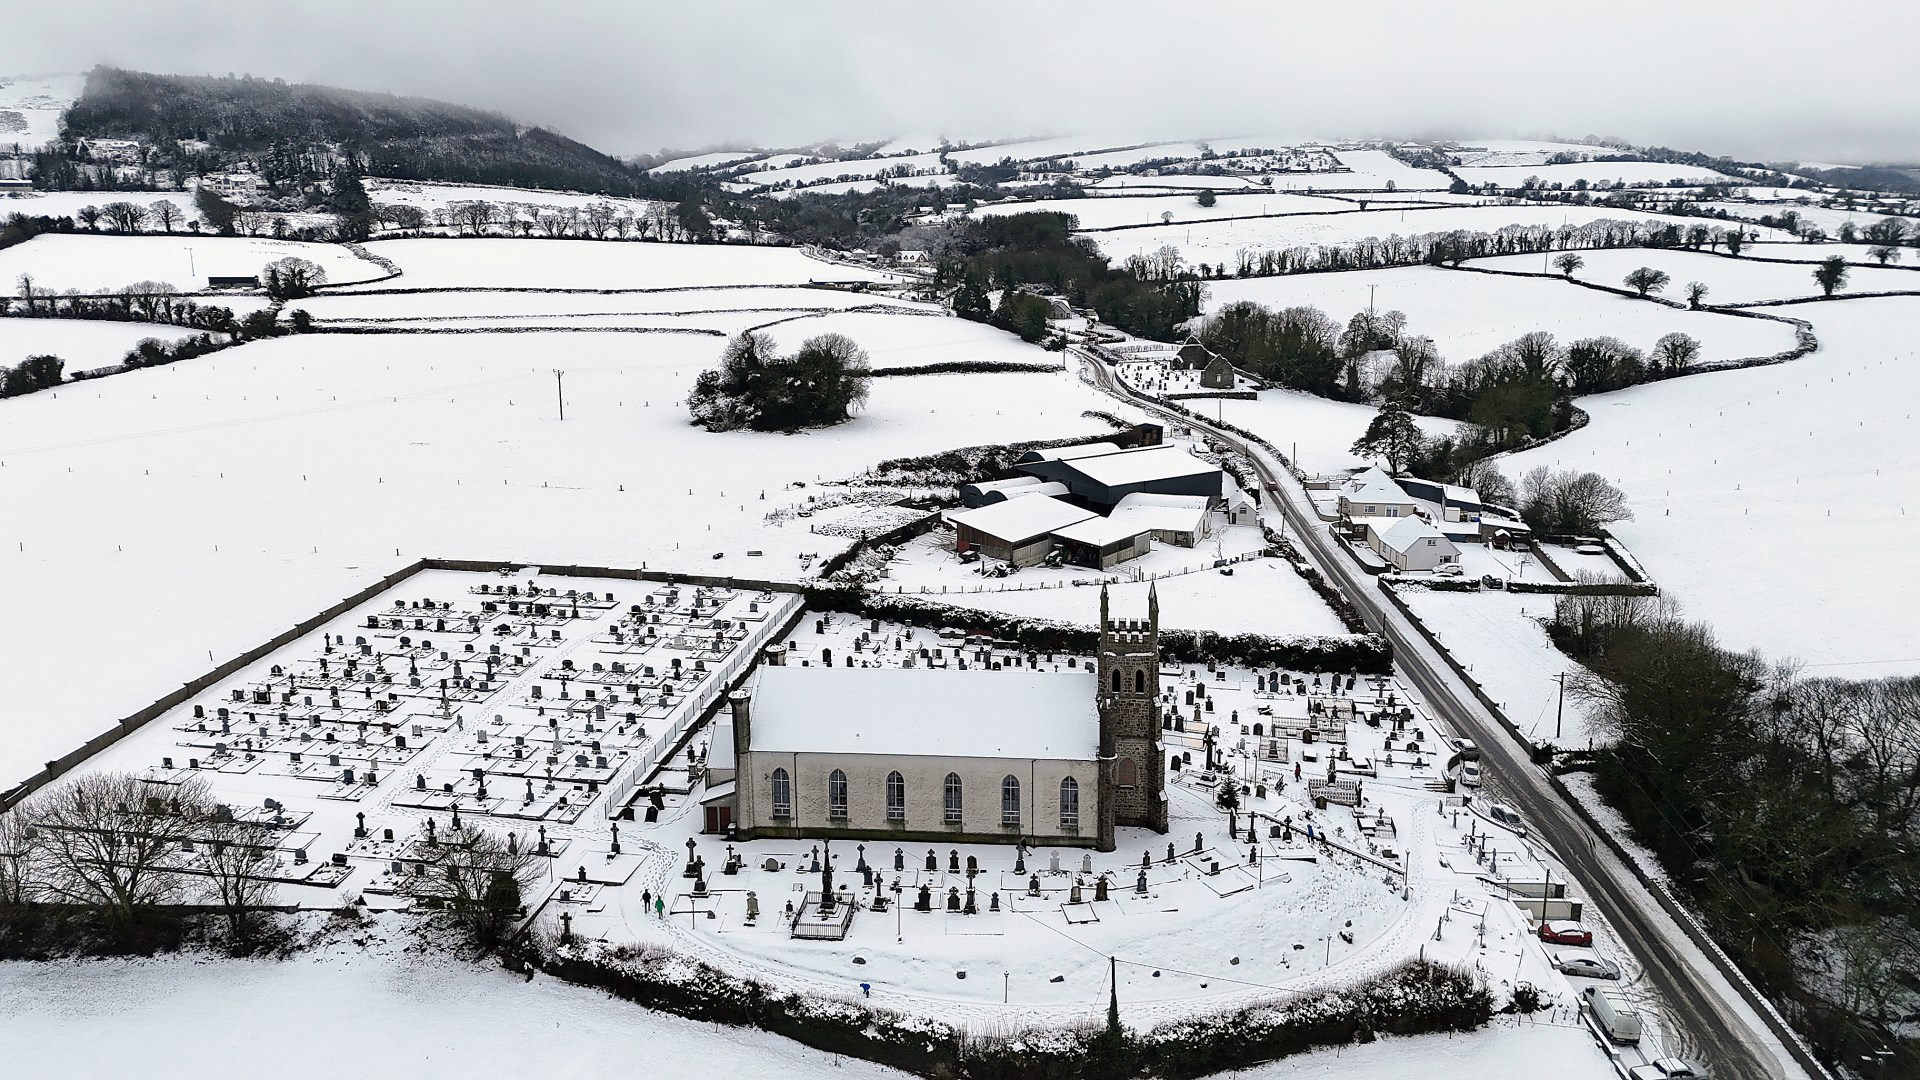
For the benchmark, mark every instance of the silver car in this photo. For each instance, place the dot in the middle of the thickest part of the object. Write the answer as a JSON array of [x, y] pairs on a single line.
[[1590, 967]]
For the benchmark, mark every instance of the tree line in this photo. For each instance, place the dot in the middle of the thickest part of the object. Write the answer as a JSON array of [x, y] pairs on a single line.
[[1147, 296], [1782, 805]]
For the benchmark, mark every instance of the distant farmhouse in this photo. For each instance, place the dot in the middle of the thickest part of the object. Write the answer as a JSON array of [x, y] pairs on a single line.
[[1096, 504], [950, 756], [1415, 524]]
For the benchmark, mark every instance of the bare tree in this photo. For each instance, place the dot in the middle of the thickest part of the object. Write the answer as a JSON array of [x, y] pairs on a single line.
[[19, 872], [1884, 254], [237, 856], [1568, 263], [166, 213], [599, 219], [90, 214], [124, 217], [1675, 352], [250, 222], [1696, 292], [292, 278], [1570, 502], [473, 216], [111, 841], [557, 223], [1645, 280], [478, 877]]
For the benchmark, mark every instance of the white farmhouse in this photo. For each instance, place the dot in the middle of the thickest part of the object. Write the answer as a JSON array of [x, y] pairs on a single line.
[[1411, 544]]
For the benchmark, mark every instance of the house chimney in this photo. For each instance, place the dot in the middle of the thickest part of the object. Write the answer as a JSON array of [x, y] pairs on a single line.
[[740, 703]]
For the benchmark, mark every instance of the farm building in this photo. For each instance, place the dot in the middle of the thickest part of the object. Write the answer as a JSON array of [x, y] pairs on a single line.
[[1172, 519], [1103, 479], [1104, 542], [1019, 531], [951, 756], [1410, 544]]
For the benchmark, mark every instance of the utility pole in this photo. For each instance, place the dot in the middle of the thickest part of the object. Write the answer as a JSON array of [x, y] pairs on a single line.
[[1560, 708], [558, 396]]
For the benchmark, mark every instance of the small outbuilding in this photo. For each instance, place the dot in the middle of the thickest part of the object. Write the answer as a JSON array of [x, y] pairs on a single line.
[[1172, 519], [1103, 543]]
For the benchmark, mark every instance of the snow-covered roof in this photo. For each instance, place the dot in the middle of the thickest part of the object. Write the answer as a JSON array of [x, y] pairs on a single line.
[[1169, 513], [1377, 488], [1101, 531], [1142, 465], [720, 750], [1017, 520], [1007, 485], [1071, 453], [1409, 531], [927, 712]]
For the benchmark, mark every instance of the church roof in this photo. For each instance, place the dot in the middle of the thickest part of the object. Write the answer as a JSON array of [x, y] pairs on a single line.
[[927, 712]]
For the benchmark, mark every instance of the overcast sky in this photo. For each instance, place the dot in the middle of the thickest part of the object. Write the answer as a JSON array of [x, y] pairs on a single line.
[[1772, 79]]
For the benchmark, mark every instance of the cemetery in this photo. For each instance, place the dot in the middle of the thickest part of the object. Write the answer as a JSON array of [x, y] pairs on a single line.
[[1310, 841]]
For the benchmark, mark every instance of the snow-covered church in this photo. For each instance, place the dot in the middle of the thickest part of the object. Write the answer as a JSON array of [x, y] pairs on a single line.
[[939, 755]]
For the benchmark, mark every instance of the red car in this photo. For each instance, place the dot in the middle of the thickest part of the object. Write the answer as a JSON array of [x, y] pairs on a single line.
[[1565, 933]]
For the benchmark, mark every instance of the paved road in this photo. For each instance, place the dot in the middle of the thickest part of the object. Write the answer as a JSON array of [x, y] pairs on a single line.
[[1720, 1024]]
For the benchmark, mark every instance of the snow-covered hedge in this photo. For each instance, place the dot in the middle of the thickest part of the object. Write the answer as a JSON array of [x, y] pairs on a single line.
[[1366, 654], [948, 367], [1419, 998]]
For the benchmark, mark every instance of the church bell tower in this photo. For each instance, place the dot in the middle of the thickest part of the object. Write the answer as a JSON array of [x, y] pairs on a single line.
[[1133, 767]]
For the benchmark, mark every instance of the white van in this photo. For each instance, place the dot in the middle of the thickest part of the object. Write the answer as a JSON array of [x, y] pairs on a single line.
[[1611, 1013]]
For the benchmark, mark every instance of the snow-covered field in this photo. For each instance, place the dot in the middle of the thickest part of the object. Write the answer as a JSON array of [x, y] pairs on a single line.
[[496, 263], [1769, 500], [398, 1012], [1264, 596], [1828, 218], [1728, 280], [69, 203], [1468, 315], [1615, 173], [909, 340], [1519, 151], [105, 263], [235, 475], [1321, 430], [1106, 212], [30, 107], [432, 197], [856, 168], [401, 307], [83, 344], [1813, 253], [1498, 636], [1222, 241]]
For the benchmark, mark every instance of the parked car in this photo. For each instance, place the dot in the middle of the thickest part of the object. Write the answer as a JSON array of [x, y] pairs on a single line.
[[1589, 549], [1507, 817], [1668, 1068], [1450, 569], [1611, 1014], [1562, 932], [1470, 773], [1587, 967], [1466, 749]]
